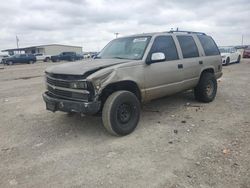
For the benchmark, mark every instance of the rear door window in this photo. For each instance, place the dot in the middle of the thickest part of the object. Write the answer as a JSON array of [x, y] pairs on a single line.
[[166, 45], [209, 46], [188, 46]]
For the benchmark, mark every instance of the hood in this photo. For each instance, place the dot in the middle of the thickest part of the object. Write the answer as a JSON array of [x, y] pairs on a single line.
[[84, 66]]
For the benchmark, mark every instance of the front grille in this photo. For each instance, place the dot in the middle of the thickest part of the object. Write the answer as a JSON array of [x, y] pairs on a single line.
[[68, 94], [60, 92], [59, 83], [56, 87], [65, 77]]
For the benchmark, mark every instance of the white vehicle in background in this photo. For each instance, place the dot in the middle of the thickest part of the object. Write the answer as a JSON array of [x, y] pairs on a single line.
[[2, 57], [229, 55], [42, 57]]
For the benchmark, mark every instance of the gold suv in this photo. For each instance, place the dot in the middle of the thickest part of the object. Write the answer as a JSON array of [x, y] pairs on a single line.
[[133, 70]]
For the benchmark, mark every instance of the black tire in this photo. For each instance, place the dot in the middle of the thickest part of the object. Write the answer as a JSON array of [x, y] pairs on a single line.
[[10, 63], [31, 62], [121, 113], [206, 89], [238, 60], [227, 61], [71, 114], [47, 59]]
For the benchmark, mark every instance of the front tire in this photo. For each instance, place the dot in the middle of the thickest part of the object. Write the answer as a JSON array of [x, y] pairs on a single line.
[[121, 113], [206, 89], [228, 61], [10, 63]]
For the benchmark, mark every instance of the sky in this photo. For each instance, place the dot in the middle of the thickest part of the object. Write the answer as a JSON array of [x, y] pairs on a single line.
[[92, 23]]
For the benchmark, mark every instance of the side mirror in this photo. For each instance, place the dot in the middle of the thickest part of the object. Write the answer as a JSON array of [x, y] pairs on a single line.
[[156, 57], [159, 56]]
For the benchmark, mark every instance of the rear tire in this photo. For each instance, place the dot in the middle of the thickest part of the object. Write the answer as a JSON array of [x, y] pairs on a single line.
[[47, 59], [121, 113], [238, 60], [31, 62], [206, 89]]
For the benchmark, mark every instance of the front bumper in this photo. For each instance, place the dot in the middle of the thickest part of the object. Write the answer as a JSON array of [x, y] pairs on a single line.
[[56, 104]]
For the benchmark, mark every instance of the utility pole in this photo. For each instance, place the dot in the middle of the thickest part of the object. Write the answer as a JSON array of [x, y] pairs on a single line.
[[17, 42], [116, 34], [242, 40]]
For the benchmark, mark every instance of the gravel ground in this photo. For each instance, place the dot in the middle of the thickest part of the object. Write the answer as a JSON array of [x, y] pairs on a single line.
[[178, 142]]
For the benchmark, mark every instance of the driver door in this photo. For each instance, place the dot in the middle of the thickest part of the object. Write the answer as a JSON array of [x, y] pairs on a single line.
[[234, 55], [164, 77]]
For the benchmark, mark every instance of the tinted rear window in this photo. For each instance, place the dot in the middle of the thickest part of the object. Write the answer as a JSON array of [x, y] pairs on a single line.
[[188, 46], [166, 45], [208, 44]]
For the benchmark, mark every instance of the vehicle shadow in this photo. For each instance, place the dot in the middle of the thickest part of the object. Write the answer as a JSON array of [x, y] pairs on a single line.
[[92, 125]]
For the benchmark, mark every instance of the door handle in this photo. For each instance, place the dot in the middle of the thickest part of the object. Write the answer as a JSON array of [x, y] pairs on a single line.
[[200, 62], [180, 66]]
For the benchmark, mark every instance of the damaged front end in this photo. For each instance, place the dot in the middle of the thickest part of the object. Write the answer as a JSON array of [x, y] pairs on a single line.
[[70, 93]]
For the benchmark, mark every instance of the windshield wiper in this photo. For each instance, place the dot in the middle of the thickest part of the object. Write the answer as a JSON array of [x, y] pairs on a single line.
[[119, 57]]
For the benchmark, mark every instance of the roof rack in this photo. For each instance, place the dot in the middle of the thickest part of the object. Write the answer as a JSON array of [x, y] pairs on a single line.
[[188, 32]]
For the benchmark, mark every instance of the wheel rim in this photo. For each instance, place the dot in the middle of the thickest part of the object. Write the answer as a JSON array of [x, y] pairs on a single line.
[[210, 88], [124, 113]]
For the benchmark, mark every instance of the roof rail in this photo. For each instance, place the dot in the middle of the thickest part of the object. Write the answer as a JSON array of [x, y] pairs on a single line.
[[188, 32]]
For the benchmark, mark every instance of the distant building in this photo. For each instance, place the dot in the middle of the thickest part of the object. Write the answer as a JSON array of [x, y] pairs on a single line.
[[50, 49]]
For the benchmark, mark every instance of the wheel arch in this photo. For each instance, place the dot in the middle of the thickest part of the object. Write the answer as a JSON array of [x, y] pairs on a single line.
[[127, 85], [208, 69]]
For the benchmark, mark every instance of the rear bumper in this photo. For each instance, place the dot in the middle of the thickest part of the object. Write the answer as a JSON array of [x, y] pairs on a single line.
[[56, 104], [246, 55]]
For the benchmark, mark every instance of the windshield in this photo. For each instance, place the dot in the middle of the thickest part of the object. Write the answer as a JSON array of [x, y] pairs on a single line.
[[224, 50], [125, 48]]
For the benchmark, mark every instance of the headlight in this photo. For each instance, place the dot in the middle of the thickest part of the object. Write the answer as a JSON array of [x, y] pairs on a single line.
[[79, 85], [98, 81]]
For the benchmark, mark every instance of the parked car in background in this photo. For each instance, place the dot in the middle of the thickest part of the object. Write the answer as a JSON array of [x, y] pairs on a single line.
[[133, 70], [42, 57], [229, 55], [20, 58], [90, 55], [66, 56], [246, 52], [2, 58]]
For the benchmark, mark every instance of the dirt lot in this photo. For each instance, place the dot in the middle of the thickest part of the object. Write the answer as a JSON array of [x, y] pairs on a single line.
[[178, 143]]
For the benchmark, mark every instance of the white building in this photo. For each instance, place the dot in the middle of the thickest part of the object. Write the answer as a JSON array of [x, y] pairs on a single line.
[[50, 49]]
